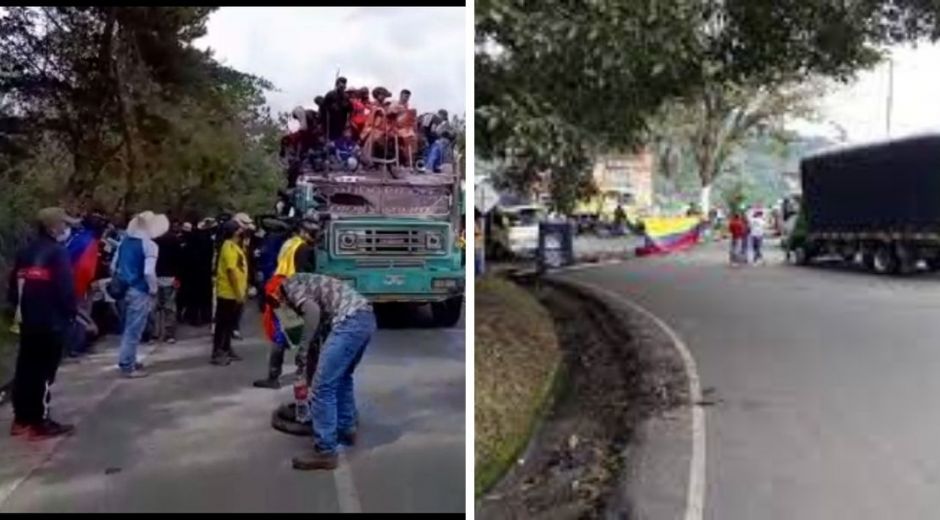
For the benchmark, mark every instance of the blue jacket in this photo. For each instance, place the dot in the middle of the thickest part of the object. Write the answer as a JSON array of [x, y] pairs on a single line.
[[130, 263], [48, 299]]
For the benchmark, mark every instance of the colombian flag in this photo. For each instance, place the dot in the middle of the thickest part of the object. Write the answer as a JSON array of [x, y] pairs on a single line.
[[83, 253], [666, 234]]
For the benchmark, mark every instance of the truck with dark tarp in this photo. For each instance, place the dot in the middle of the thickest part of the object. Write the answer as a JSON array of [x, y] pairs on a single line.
[[879, 203]]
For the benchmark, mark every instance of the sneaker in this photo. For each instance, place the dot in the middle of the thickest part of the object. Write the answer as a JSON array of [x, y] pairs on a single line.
[[19, 428], [237, 335], [233, 356], [49, 429], [171, 340], [134, 374], [348, 438], [315, 460], [273, 384], [220, 361]]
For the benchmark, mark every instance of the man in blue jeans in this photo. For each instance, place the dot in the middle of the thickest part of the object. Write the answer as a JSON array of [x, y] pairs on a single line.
[[135, 263], [317, 298]]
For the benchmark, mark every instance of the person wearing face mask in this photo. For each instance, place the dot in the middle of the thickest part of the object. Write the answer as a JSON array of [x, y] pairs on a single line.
[[42, 291]]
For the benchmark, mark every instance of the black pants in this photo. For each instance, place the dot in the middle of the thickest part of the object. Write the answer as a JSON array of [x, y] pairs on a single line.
[[226, 319], [36, 365]]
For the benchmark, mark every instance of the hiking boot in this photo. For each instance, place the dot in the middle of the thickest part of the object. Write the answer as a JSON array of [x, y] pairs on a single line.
[[19, 428], [348, 438], [49, 429], [273, 384], [315, 460], [233, 356], [220, 361], [137, 373]]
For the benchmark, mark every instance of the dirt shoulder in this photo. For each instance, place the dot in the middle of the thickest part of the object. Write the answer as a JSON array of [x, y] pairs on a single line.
[[619, 373], [517, 357]]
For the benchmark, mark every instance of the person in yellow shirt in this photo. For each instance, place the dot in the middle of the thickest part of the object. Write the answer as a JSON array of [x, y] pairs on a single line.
[[231, 289]]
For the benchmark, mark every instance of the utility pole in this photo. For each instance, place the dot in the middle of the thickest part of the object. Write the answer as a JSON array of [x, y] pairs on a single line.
[[890, 95]]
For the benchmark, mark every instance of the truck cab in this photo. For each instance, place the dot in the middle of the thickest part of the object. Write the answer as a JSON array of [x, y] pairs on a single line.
[[394, 238]]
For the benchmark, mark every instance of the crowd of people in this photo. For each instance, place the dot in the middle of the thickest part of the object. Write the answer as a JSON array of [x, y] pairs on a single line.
[[355, 126], [159, 273]]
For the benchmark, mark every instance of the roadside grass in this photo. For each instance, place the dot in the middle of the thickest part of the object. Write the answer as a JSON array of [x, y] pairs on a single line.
[[517, 360]]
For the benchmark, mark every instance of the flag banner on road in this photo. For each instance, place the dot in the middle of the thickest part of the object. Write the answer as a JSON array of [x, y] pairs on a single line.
[[667, 234]]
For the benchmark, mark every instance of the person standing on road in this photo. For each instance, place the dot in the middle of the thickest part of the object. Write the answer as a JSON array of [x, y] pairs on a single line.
[[297, 255], [757, 227], [246, 233], [334, 416], [135, 266], [738, 231], [168, 282], [43, 290], [231, 290]]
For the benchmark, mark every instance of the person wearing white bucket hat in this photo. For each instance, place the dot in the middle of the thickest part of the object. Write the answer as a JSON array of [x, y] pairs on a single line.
[[134, 268]]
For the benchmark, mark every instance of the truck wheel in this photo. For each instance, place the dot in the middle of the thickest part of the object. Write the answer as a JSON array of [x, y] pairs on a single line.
[[933, 264], [907, 262], [800, 255], [885, 262], [447, 313]]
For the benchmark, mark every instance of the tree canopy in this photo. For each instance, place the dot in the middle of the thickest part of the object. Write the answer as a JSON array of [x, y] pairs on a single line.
[[558, 80]]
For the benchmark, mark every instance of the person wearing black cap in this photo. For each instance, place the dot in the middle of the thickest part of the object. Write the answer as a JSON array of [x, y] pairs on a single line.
[[335, 110], [42, 290]]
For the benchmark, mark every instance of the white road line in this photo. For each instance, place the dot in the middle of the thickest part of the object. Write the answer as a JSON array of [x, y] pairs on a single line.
[[695, 499], [346, 493]]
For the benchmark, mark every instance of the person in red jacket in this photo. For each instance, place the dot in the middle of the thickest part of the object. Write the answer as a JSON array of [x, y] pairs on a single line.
[[737, 227]]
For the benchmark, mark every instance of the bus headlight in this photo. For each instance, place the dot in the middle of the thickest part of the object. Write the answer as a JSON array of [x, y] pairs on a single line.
[[433, 241]]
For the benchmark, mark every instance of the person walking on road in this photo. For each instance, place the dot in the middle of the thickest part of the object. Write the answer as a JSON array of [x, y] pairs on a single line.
[[317, 298], [231, 290], [737, 228], [42, 290], [757, 228], [135, 267]]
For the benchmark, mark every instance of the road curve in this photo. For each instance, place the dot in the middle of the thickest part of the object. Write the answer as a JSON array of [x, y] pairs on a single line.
[[827, 382]]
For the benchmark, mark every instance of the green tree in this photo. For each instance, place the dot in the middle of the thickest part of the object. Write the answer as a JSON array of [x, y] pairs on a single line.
[[557, 80], [719, 120]]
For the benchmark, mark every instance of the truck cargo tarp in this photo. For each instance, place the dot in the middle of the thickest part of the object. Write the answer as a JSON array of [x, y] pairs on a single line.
[[887, 187]]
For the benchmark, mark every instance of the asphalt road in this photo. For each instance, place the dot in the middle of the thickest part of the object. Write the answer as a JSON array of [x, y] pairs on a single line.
[[826, 382], [195, 437]]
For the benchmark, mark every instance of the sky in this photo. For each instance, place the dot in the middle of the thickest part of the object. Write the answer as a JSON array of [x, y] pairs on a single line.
[[861, 107], [299, 49]]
